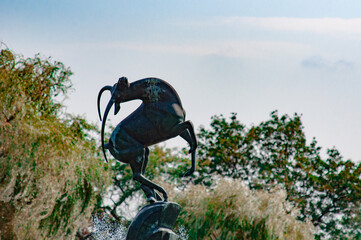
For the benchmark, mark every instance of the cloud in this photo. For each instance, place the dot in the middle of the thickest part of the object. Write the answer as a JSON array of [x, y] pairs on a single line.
[[318, 62], [238, 40], [228, 48], [334, 26]]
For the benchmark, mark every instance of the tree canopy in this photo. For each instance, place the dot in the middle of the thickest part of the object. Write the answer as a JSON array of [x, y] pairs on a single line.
[[275, 152]]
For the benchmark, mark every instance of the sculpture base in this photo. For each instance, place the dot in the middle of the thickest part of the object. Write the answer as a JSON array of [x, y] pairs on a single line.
[[154, 222]]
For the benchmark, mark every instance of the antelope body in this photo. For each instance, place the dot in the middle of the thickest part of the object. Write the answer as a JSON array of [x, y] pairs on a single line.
[[159, 117]]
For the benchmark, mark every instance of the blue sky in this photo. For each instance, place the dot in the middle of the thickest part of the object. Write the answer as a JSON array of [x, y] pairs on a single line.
[[249, 57]]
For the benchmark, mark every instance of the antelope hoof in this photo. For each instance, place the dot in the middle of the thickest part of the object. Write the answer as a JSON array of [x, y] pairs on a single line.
[[192, 149], [190, 172], [151, 200], [165, 197]]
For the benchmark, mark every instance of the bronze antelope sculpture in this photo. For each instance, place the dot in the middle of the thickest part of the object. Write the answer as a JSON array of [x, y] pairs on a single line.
[[159, 117]]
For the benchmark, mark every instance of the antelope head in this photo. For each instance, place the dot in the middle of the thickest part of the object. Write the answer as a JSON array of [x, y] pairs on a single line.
[[117, 96]]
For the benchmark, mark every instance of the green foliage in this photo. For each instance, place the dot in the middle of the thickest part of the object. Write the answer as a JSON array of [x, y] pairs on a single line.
[[49, 165], [327, 191], [233, 211]]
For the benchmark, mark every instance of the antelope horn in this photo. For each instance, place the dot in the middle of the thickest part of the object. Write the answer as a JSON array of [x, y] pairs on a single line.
[[100, 95], [109, 106]]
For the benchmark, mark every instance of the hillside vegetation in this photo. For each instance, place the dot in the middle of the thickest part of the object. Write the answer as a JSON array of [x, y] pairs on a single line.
[[50, 174]]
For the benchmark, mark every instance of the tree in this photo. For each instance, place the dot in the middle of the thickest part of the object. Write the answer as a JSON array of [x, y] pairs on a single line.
[[276, 153], [50, 172]]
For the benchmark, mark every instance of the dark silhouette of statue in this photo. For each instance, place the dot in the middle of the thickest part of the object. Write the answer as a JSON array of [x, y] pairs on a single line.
[[159, 117]]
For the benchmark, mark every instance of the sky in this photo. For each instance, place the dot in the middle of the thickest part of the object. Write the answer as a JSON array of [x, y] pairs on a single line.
[[248, 57]]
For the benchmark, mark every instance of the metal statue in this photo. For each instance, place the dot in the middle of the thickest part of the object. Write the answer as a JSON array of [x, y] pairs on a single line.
[[159, 117]]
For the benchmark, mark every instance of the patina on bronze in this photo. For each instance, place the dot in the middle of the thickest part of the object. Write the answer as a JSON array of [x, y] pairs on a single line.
[[159, 117]]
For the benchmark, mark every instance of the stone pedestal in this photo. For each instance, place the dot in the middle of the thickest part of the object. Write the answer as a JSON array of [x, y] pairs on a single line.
[[154, 222]]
